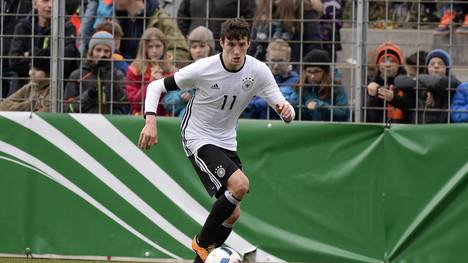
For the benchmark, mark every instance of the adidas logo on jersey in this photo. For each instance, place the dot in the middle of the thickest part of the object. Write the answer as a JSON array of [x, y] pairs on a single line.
[[215, 86]]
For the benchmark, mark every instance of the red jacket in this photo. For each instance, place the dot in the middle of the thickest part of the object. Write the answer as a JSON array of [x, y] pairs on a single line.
[[134, 86]]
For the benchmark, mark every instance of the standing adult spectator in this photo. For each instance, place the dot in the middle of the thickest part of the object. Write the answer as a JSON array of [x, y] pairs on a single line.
[[194, 13], [150, 64], [323, 96], [33, 33], [283, 19], [12, 11], [97, 87], [384, 100]]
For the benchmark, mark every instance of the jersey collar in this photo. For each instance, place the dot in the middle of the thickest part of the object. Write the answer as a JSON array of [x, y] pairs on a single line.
[[224, 66]]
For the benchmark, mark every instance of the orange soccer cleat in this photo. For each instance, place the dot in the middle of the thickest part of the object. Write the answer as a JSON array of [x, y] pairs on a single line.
[[202, 252]]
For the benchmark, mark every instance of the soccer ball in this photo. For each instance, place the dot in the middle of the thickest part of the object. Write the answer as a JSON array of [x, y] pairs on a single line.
[[223, 255]]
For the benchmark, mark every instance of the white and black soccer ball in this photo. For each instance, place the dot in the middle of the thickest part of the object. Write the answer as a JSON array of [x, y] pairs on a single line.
[[223, 255]]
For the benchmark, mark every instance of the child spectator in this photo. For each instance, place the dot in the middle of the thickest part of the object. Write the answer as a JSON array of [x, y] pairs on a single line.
[[323, 98], [384, 101], [23, 46], [34, 96], [201, 44], [435, 89], [118, 58], [97, 87], [415, 64], [460, 104], [278, 59], [150, 64], [282, 16]]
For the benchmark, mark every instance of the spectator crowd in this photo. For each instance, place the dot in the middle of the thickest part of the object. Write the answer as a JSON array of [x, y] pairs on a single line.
[[113, 49]]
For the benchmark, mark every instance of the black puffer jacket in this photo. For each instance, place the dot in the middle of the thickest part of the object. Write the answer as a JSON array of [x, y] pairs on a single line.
[[442, 89]]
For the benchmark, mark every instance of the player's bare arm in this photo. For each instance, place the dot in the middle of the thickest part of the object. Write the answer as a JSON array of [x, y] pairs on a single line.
[[149, 133]]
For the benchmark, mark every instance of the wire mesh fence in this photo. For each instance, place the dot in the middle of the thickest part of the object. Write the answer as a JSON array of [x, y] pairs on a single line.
[[334, 60]]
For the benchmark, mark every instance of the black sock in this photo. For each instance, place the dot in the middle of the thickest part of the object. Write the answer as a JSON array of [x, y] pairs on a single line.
[[221, 210], [223, 232], [197, 259]]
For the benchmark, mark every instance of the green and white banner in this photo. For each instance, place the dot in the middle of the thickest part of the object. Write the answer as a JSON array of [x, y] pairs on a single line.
[[78, 185]]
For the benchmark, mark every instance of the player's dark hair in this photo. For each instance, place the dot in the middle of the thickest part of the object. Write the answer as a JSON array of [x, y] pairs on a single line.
[[235, 29]]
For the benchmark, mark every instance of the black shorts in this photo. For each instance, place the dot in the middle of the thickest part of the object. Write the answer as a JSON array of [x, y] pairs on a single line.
[[214, 166]]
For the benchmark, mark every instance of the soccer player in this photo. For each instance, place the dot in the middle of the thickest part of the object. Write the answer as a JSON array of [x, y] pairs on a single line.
[[224, 84]]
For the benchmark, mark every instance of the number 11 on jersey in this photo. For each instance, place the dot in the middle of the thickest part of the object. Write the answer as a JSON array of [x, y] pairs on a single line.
[[226, 99]]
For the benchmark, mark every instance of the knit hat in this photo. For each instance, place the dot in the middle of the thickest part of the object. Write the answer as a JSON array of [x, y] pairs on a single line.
[[317, 58], [439, 53], [202, 34], [391, 50], [41, 60], [102, 37]]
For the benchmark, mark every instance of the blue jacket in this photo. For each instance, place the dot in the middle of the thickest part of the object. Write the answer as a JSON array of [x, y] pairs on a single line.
[[323, 110], [173, 103], [460, 102], [258, 107]]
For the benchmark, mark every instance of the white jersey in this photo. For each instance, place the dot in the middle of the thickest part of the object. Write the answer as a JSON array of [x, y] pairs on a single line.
[[220, 97]]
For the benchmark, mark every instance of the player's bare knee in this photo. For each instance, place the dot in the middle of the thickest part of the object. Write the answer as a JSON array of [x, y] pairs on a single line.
[[243, 187], [238, 184]]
